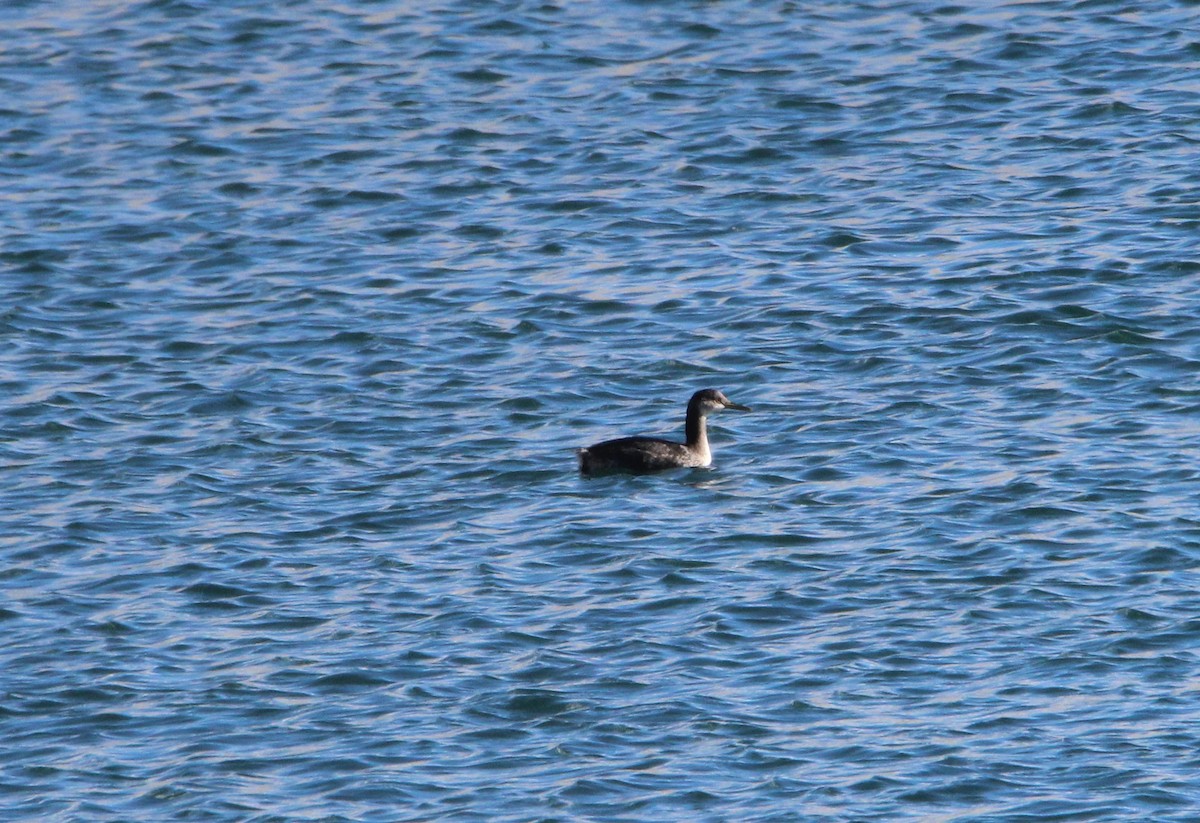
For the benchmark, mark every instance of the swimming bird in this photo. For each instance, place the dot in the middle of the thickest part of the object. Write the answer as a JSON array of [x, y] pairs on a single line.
[[641, 455]]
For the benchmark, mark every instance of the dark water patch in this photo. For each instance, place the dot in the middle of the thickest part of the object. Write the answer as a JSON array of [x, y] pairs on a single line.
[[239, 190], [326, 198], [842, 239], [481, 75], [198, 148], [341, 682], [214, 591], [478, 231]]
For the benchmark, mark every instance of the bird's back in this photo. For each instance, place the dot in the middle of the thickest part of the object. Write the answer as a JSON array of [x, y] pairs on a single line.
[[634, 454]]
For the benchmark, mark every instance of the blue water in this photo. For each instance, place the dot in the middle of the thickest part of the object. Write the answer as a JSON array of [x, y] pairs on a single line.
[[306, 305]]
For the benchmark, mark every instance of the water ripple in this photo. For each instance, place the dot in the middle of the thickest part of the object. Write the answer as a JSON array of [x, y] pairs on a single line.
[[307, 310]]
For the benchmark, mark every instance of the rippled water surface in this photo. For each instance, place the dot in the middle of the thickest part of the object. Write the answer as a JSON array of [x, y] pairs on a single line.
[[305, 306]]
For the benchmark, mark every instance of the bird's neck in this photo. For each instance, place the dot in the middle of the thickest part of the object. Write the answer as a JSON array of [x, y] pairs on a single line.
[[696, 431]]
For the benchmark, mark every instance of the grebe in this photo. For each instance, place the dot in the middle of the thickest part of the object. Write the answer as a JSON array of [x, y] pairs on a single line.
[[650, 454]]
